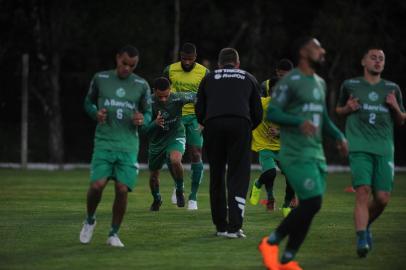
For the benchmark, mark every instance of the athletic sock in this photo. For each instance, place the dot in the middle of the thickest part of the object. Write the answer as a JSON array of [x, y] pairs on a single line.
[[274, 238], [267, 178], [179, 184], [91, 219], [287, 256], [114, 229], [362, 235], [155, 193], [197, 175]]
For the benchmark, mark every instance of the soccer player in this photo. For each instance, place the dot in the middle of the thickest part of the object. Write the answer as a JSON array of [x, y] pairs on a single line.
[[119, 101], [166, 138], [185, 76], [282, 68], [372, 106], [298, 106], [265, 141]]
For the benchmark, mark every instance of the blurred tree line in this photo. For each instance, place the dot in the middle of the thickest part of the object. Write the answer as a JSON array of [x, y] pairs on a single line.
[[69, 40]]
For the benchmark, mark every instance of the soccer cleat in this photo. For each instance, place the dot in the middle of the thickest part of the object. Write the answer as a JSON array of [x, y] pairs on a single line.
[[369, 238], [237, 234], [221, 234], [362, 248], [156, 204], [173, 197], [255, 195], [292, 265], [192, 205], [114, 241], [286, 211], [270, 205], [269, 254], [87, 232], [180, 199]]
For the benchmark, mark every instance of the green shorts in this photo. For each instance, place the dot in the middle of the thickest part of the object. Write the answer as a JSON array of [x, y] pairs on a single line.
[[158, 156], [372, 170], [193, 134], [117, 165], [307, 177], [267, 159]]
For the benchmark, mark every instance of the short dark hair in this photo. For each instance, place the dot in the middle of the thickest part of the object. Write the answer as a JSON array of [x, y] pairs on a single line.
[[161, 84], [228, 56], [130, 50], [371, 47], [284, 64], [298, 44], [188, 48]]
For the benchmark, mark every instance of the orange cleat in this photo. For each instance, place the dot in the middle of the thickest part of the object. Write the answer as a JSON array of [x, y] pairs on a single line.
[[269, 254], [292, 265]]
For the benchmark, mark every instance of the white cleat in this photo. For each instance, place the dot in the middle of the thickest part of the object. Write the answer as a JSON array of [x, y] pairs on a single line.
[[114, 241], [173, 198], [87, 232], [221, 234], [192, 205], [235, 235]]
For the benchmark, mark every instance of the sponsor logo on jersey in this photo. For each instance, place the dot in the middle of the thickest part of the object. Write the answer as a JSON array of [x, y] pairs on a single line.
[[295, 77], [121, 104], [229, 73], [120, 92], [139, 81], [353, 81], [105, 76], [373, 96], [316, 93], [217, 76], [375, 108], [312, 107]]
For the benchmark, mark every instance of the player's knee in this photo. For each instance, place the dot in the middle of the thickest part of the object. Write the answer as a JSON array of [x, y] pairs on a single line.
[[176, 160], [382, 199], [98, 185], [363, 191], [195, 154]]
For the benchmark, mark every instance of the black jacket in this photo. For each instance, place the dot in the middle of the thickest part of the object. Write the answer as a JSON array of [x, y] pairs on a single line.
[[229, 92]]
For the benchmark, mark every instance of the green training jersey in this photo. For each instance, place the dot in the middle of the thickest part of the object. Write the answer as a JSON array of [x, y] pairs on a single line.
[[298, 97], [121, 98], [185, 81], [370, 129], [171, 111]]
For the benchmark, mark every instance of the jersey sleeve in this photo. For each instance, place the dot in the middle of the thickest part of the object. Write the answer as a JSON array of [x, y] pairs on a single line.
[[399, 98], [279, 101], [91, 99], [145, 104], [342, 96]]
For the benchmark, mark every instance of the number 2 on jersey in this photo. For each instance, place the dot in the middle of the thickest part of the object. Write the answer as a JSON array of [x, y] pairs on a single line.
[[372, 118]]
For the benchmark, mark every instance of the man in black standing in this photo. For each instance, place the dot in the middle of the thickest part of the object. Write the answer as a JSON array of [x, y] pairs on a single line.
[[229, 107]]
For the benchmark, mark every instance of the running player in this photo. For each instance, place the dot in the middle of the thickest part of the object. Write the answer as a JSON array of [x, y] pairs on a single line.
[[265, 141], [371, 105], [298, 106], [185, 76], [120, 102], [166, 138]]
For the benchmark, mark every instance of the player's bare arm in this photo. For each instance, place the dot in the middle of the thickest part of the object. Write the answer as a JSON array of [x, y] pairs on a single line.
[[393, 104]]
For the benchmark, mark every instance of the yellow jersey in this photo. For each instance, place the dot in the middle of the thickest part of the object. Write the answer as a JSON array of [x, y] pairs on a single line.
[[261, 138], [182, 81]]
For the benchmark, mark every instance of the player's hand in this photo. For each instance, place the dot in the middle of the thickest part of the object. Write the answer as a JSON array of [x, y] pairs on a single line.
[[160, 120], [391, 101], [342, 147], [308, 128], [274, 132], [200, 127], [138, 119], [101, 115], [352, 104]]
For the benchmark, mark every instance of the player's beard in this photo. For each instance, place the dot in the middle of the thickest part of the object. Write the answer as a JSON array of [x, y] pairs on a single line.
[[317, 64], [187, 68], [373, 72]]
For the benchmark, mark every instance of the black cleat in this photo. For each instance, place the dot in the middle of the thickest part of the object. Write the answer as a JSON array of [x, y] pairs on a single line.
[[180, 199], [156, 204]]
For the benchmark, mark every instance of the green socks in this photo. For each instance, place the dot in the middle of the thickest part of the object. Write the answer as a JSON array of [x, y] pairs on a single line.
[[114, 229], [274, 238], [197, 175], [287, 256], [179, 184], [91, 219]]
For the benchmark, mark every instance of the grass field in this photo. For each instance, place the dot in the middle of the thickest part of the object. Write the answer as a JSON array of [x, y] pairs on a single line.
[[41, 214]]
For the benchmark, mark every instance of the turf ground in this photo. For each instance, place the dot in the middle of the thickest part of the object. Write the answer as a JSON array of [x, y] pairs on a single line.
[[41, 214]]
